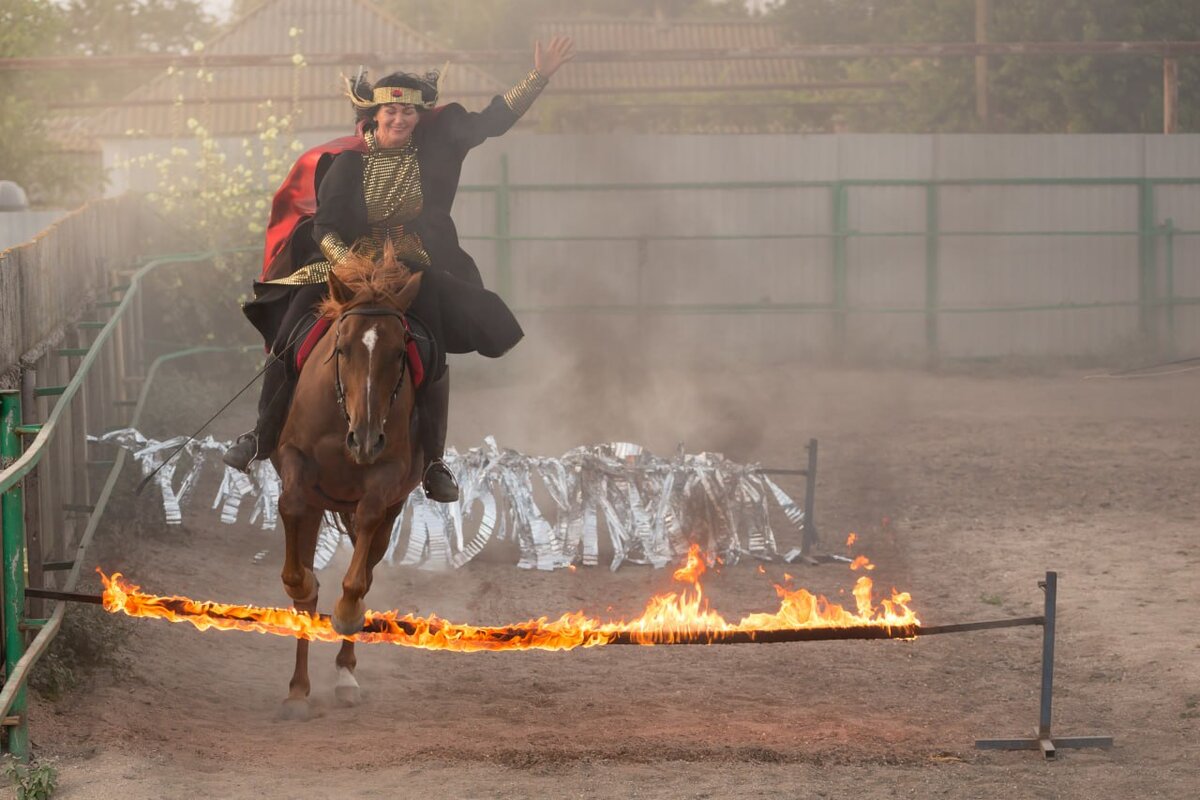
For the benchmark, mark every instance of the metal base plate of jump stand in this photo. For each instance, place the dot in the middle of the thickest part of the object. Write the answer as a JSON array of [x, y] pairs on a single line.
[[806, 552], [1042, 738]]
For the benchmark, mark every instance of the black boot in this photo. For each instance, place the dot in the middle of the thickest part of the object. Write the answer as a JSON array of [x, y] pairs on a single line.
[[273, 404], [433, 408]]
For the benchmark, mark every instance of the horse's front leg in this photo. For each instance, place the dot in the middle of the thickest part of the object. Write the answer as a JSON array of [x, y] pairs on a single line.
[[373, 525], [302, 525], [347, 690]]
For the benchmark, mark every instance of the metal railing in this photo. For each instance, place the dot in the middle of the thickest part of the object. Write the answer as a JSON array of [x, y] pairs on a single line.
[[47, 481], [1156, 301]]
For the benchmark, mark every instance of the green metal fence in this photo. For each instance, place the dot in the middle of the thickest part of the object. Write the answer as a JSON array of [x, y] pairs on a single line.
[[103, 371], [98, 396], [1157, 297]]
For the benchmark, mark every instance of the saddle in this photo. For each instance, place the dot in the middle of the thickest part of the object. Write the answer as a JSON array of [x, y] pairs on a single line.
[[421, 345]]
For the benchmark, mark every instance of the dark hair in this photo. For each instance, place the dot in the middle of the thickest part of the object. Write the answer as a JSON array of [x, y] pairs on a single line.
[[426, 83]]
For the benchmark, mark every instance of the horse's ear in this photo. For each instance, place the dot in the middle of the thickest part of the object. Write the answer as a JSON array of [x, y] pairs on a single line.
[[409, 293], [339, 292]]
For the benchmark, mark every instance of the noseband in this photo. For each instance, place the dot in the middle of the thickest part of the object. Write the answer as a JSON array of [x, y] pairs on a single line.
[[367, 311]]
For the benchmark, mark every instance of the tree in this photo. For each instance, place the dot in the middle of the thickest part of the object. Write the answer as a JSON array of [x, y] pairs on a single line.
[[1074, 94], [127, 27], [29, 153], [25, 28]]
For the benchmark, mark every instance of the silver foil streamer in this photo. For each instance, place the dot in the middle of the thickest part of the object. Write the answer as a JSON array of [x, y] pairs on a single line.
[[550, 510]]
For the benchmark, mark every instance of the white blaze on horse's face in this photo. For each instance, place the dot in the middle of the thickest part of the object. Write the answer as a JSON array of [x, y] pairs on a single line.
[[370, 384], [369, 339]]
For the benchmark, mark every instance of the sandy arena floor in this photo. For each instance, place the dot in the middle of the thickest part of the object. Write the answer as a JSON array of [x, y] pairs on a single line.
[[985, 482]]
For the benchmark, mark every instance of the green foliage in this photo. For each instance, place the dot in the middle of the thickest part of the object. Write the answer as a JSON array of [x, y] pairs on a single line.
[[1027, 94], [216, 195], [211, 204], [127, 27], [207, 202], [30, 154], [88, 640], [31, 781], [25, 27]]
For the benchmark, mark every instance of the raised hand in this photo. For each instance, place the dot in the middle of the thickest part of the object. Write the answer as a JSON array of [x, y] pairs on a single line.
[[559, 51]]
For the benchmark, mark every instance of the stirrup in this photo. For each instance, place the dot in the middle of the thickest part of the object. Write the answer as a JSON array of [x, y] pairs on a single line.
[[448, 494], [237, 459]]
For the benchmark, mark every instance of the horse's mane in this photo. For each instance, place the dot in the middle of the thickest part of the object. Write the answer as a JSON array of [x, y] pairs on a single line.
[[375, 283]]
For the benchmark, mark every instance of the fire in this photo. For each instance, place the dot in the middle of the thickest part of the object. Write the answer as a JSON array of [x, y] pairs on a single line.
[[851, 539], [862, 562], [671, 618]]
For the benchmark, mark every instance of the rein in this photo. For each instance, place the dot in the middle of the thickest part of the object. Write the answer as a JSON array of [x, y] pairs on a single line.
[[367, 311]]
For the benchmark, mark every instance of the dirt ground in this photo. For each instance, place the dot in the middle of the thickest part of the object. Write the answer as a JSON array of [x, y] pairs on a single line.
[[963, 488]]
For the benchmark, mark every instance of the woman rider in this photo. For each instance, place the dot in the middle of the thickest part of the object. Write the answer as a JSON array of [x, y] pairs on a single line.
[[394, 183]]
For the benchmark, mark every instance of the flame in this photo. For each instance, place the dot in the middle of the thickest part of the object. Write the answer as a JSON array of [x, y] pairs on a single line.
[[851, 539], [672, 617], [862, 561]]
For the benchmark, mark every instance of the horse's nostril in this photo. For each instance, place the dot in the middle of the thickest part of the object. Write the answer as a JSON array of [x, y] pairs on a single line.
[[350, 439], [380, 442]]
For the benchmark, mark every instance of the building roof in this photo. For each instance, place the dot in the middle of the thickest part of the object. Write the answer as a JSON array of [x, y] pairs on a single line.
[[643, 35], [230, 102]]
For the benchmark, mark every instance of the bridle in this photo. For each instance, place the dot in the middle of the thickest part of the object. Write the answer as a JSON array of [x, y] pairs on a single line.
[[366, 311]]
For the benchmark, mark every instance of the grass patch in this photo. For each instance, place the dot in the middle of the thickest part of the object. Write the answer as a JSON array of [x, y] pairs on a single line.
[[31, 781], [89, 639]]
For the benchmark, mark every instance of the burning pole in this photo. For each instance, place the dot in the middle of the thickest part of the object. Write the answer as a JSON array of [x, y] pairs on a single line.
[[387, 627], [669, 620]]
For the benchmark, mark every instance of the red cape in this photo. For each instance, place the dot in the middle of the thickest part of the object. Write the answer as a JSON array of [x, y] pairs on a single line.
[[296, 201]]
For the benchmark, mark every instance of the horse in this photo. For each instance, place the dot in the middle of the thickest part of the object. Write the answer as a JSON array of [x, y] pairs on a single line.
[[347, 447]]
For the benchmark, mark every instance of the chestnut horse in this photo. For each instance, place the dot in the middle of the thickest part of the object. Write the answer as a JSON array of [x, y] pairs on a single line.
[[346, 447]]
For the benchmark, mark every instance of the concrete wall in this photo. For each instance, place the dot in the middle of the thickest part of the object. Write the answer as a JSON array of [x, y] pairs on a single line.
[[792, 265]]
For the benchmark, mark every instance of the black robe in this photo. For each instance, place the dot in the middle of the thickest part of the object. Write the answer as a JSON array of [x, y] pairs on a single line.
[[453, 304]]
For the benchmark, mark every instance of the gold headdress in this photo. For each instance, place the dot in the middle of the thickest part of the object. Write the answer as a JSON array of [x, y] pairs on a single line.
[[386, 94]]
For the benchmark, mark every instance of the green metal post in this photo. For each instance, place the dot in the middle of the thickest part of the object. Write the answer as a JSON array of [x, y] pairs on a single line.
[[1169, 281], [12, 518], [840, 214], [503, 242], [1147, 261], [931, 274]]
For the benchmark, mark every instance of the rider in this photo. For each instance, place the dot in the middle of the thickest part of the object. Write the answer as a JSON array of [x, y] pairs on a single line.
[[394, 181]]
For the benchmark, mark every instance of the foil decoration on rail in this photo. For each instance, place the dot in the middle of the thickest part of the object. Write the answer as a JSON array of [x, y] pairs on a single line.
[[553, 510]]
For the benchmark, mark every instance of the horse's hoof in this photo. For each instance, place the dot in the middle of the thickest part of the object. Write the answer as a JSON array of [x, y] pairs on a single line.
[[346, 690], [348, 627], [348, 618], [295, 709], [346, 695]]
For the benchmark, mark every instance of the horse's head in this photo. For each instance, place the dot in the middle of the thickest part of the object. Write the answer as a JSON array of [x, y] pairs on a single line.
[[366, 303]]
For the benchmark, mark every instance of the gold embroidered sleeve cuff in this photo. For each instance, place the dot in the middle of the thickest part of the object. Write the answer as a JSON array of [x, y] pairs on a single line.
[[333, 248], [521, 97]]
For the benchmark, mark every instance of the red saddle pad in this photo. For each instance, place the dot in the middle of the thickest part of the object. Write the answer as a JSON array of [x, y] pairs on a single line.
[[320, 328]]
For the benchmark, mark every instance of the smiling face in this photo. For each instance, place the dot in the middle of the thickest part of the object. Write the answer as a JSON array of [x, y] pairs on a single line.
[[395, 123]]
